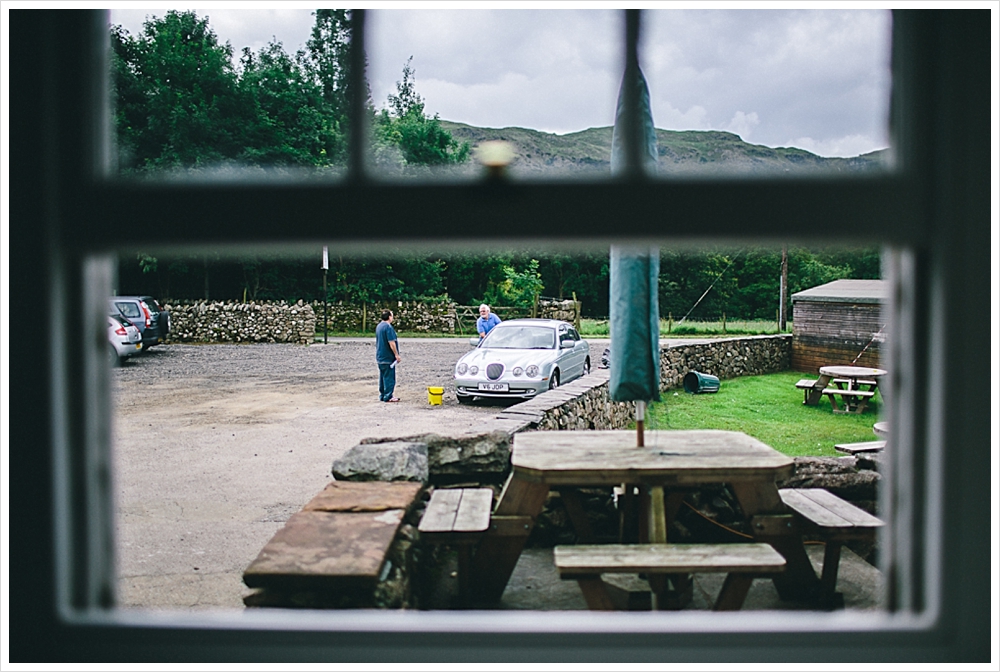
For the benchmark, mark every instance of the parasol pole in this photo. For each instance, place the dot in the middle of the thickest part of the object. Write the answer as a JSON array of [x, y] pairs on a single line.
[[640, 420]]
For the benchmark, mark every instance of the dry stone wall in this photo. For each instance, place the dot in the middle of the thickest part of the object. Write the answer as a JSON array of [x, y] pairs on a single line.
[[416, 316], [231, 322], [428, 317], [725, 358]]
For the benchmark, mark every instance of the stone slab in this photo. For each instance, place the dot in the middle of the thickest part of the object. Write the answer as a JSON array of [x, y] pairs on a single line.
[[318, 550], [352, 496]]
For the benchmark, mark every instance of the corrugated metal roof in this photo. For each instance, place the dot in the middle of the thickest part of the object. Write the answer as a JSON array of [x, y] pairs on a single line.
[[845, 291]]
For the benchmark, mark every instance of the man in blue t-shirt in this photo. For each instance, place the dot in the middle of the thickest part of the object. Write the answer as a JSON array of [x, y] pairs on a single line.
[[387, 356], [486, 321]]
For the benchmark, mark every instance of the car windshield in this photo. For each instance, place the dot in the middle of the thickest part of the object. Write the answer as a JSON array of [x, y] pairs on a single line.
[[521, 338]]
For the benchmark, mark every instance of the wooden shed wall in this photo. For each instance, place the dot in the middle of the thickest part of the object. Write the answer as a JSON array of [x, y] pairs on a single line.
[[826, 333]]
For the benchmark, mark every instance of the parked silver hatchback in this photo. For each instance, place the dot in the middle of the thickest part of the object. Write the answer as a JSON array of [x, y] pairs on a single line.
[[124, 339]]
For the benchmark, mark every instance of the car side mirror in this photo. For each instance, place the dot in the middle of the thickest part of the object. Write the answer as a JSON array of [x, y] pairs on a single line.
[[567, 343], [475, 341]]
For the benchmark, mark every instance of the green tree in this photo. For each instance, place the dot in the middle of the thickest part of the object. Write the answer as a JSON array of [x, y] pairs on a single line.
[[420, 139], [176, 93], [286, 107], [327, 56], [518, 288]]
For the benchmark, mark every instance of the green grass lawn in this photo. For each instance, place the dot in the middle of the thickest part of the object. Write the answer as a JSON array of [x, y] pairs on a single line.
[[770, 409], [692, 328]]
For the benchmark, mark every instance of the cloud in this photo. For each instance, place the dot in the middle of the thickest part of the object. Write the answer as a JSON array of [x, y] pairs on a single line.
[[846, 146], [742, 124]]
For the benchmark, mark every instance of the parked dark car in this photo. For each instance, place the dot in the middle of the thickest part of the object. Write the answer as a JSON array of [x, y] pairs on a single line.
[[146, 314]]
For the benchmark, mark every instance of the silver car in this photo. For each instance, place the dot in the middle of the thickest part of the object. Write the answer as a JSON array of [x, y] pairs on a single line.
[[521, 358], [124, 339]]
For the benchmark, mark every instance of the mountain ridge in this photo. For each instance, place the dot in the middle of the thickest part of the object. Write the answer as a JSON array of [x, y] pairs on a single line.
[[588, 152]]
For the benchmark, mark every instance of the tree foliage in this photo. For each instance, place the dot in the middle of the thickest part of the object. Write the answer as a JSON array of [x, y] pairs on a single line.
[[177, 94], [421, 139]]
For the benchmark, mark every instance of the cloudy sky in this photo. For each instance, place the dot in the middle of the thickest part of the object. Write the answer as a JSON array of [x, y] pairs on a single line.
[[815, 79]]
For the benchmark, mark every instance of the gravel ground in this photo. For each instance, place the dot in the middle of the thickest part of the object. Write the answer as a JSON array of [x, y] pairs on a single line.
[[217, 445]]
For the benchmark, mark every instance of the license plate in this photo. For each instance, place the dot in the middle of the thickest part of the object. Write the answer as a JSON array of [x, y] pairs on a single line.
[[138, 346], [493, 387]]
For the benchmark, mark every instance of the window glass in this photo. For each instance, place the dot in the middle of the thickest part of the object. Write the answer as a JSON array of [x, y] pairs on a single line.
[[782, 92], [263, 94], [128, 309], [239, 401], [230, 94], [541, 81]]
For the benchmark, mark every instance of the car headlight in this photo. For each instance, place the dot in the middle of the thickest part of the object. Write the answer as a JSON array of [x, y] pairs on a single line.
[[462, 368], [473, 369], [532, 370], [517, 371]]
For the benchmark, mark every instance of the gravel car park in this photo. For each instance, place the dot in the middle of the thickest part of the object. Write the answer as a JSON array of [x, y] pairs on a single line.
[[237, 438]]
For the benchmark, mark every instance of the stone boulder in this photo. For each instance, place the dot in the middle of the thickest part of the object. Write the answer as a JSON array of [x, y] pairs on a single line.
[[483, 456], [389, 461], [839, 475]]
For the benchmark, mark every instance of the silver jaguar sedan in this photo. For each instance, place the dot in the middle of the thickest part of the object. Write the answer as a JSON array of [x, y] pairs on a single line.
[[520, 359]]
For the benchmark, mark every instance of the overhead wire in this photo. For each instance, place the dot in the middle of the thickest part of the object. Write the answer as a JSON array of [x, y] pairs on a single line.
[[712, 285]]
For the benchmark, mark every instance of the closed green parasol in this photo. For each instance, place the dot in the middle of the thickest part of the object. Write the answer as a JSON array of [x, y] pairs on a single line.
[[635, 270]]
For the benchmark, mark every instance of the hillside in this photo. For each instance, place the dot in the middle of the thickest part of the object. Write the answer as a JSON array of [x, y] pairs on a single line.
[[588, 152]]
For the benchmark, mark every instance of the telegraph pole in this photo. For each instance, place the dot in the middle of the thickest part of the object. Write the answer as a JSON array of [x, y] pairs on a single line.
[[783, 314]]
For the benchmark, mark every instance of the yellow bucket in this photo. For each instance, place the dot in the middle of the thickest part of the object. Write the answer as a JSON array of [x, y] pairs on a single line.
[[434, 395]]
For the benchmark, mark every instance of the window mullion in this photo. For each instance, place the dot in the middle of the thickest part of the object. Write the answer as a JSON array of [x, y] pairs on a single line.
[[358, 78]]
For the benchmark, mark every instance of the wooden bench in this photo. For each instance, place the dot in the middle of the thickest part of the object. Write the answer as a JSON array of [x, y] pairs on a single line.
[[860, 447], [826, 515], [848, 381], [846, 395], [741, 562], [459, 517], [807, 386]]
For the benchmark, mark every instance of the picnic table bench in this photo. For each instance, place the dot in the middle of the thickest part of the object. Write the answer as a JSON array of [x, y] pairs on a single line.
[[853, 385], [741, 563], [459, 517], [860, 447], [834, 520]]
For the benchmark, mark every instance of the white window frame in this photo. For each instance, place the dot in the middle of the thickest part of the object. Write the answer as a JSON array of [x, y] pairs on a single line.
[[929, 213]]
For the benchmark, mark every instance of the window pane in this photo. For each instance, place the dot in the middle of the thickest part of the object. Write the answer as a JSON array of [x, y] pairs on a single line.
[[230, 94], [263, 94], [768, 92], [227, 425], [542, 81]]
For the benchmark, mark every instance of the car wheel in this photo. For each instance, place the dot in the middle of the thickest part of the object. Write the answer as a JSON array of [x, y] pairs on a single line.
[[586, 367], [112, 357], [554, 380]]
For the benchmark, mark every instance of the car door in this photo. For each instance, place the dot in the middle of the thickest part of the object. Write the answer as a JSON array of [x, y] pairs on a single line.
[[580, 351], [571, 363]]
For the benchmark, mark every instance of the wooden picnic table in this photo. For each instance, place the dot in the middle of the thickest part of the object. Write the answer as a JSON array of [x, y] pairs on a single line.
[[853, 385], [670, 464]]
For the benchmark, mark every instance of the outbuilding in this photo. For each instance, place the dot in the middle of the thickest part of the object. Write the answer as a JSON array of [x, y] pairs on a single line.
[[833, 324]]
